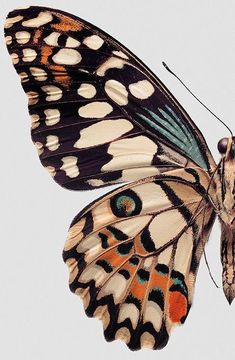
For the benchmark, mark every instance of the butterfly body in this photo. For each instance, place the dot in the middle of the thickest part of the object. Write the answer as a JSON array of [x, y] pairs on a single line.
[[225, 190], [100, 117]]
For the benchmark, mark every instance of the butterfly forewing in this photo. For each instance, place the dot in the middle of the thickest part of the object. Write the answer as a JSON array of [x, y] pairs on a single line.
[[98, 113]]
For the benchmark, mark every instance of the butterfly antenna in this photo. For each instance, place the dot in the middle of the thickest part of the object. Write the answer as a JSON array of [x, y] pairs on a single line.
[[209, 270], [222, 122]]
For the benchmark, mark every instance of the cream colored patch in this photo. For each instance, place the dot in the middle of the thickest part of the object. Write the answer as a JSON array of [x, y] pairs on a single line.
[[123, 334], [139, 173], [116, 286], [73, 269], [165, 256], [147, 340], [153, 198], [117, 92], [93, 272], [103, 132], [52, 39], [67, 57], [72, 43], [102, 215], [52, 142], [129, 311], [11, 21], [39, 147], [153, 314], [120, 54], [94, 42], [142, 89], [132, 227], [88, 243], [54, 93], [52, 116], [166, 226], [112, 62], [34, 121], [43, 18], [128, 153], [38, 74], [22, 37], [184, 252], [70, 166], [95, 182], [33, 97], [87, 91], [75, 234], [96, 109], [51, 170], [29, 55], [8, 40], [24, 77], [14, 58]]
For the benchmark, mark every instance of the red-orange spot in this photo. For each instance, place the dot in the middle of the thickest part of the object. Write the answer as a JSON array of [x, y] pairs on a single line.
[[177, 306], [36, 36], [66, 23], [46, 51]]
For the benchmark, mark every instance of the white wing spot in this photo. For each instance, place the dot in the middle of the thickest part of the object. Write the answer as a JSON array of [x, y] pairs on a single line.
[[117, 92], [52, 142], [94, 42], [14, 58], [11, 21], [51, 170], [29, 55], [102, 132], [43, 18], [34, 121], [67, 57], [8, 40], [52, 39], [72, 43], [39, 147], [38, 73], [24, 77], [33, 97], [142, 89], [54, 93], [111, 63], [22, 37], [96, 109], [87, 91], [70, 166], [52, 116]]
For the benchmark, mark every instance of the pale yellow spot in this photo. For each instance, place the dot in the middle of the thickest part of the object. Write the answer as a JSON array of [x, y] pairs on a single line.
[[14, 58], [70, 166], [54, 93], [94, 42], [34, 121], [102, 132], [142, 89], [8, 40], [39, 147], [43, 18], [87, 91], [52, 142], [33, 97], [52, 116], [38, 73], [96, 109], [72, 43], [120, 54], [111, 63], [29, 55], [11, 21], [22, 37], [117, 92], [67, 57], [52, 39]]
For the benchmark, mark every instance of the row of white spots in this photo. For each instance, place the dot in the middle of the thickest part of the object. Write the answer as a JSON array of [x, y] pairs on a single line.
[[52, 144], [52, 40], [102, 132], [52, 118]]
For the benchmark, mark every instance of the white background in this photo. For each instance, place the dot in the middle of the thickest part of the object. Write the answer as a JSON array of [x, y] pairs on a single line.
[[39, 317]]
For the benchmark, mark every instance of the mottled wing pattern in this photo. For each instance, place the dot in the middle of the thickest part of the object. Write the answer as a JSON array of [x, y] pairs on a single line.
[[99, 115], [133, 255]]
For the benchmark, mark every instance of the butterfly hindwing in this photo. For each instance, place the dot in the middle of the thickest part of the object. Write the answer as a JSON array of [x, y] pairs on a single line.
[[99, 115], [133, 255]]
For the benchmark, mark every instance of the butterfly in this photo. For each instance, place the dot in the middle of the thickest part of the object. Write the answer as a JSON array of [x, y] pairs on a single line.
[[101, 117]]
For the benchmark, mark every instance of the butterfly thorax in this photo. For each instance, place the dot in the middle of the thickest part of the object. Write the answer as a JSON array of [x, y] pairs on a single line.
[[225, 184]]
